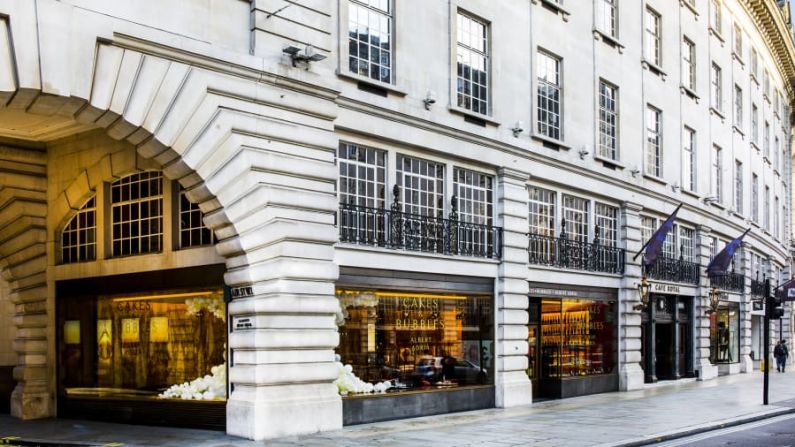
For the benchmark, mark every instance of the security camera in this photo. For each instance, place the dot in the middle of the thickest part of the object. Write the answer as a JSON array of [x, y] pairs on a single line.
[[430, 98]]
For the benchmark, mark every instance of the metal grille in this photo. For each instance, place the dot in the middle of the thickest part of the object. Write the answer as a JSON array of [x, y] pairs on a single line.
[[575, 211], [608, 120], [653, 142], [549, 94], [370, 39], [472, 60], [137, 214], [192, 232], [607, 222], [422, 183], [79, 237]]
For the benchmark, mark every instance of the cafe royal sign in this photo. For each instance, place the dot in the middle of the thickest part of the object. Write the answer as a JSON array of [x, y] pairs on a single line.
[[664, 288]]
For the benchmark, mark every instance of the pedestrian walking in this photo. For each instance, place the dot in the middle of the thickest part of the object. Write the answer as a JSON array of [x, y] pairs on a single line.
[[780, 352]]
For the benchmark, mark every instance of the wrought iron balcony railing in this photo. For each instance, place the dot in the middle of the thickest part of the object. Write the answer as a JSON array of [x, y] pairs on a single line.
[[734, 282], [757, 287], [674, 270], [379, 227], [571, 254]]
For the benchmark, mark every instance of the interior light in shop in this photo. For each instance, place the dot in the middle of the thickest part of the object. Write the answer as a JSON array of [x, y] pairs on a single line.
[[71, 332], [158, 329], [129, 330]]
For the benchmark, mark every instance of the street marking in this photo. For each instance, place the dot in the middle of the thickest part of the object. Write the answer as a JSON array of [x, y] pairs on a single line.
[[725, 431]]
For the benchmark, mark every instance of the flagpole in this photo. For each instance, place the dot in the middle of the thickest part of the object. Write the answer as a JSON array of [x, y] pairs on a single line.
[[649, 240]]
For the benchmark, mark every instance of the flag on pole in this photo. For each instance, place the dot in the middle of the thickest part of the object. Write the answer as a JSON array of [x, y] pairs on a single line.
[[720, 263], [654, 245]]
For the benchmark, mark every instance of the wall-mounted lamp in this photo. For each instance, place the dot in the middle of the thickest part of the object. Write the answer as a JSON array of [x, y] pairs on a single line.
[[517, 128], [714, 300], [644, 287], [430, 98], [307, 54]]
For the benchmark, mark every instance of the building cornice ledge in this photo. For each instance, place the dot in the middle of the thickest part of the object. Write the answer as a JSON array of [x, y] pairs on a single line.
[[770, 21]]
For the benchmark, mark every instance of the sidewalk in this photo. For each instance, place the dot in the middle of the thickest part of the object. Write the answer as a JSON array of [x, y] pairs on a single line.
[[613, 419]]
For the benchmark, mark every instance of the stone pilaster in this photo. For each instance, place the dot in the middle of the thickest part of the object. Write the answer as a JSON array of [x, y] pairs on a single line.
[[631, 374], [23, 233], [742, 262], [512, 384], [706, 370]]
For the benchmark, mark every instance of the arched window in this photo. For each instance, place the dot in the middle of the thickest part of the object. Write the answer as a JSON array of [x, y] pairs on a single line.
[[79, 237], [137, 214], [192, 232]]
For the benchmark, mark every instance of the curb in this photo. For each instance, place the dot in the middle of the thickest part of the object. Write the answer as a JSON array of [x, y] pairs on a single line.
[[669, 436]]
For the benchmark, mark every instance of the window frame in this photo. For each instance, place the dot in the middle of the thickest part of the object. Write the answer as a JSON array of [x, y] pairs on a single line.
[[689, 63], [558, 62], [455, 45], [716, 90], [657, 172], [690, 139], [653, 37], [604, 112]]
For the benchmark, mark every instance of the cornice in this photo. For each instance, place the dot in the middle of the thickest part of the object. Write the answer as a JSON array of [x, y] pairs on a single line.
[[770, 20]]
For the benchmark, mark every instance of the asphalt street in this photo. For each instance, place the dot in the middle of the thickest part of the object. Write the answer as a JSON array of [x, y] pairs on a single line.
[[774, 432]]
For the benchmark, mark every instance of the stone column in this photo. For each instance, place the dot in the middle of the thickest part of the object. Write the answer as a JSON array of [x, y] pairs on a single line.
[[706, 370], [742, 261], [23, 234], [513, 387], [630, 370]]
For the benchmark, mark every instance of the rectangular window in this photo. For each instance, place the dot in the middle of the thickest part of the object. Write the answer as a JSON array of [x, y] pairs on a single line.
[[717, 173], [754, 63], [776, 151], [608, 120], [542, 211], [755, 197], [475, 193], [137, 214], [766, 85], [688, 64], [716, 16], [607, 17], [670, 245], [79, 236], [648, 225], [687, 240], [422, 184], [607, 223], [653, 142], [766, 140], [738, 106], [370, 39], [717, 90], [362, 180], [472, 55], [776, 206], [738, 186], [653, 37], [192, 232], [766, 211], [549, 96], [738, 41], [689, 160], [776, 96], [575, 211], [754, 124]]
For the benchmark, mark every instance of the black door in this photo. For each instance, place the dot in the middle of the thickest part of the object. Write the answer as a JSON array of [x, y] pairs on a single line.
[[664, 350]]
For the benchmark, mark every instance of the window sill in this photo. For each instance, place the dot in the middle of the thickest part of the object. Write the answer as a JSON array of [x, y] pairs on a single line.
[[555, 7], [715, 111], [687, 5], [767, 160], [717, 34], [468, 113], [689, 92], [609, 162], [775, 171], [753, 78], [767, 99], [693, 194], [656, 69], [754, 145], [655, 179], [754, 223], [739, 59], [608, 39], [546, 139], [737, 214], [365, 80], [739, 131], [718, 205]]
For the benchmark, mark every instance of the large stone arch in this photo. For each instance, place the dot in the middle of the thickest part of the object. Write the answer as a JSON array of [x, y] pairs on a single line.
[[256, 155]]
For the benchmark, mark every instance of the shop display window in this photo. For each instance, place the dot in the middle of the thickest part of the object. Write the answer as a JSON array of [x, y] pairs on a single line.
[[578, 338], [164, 345], [416, 341], [724, 328]]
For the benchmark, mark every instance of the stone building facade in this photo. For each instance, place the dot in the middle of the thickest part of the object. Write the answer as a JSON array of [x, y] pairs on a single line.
[[448, 197]]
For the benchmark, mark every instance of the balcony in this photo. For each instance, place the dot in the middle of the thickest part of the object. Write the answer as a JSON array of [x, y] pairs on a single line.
[[674, 270], [396, 230], [566, 253], [729, 281]]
